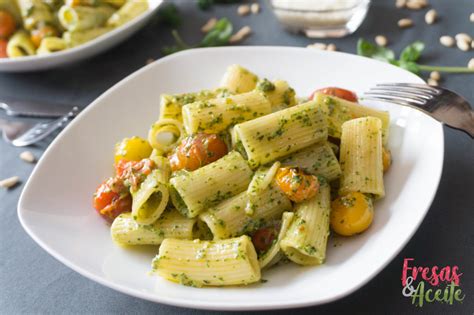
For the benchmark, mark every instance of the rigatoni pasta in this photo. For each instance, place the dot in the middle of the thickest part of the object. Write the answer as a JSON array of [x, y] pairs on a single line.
[[234, 180]]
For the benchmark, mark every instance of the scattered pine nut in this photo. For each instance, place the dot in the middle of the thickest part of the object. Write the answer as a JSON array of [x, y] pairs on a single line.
[[320, 46], [447, 41], [431, 16], [209, 25], [435, 75], [464, 37], [463, 45], [405, 23], [470, 64], [241, 34], [27, 156], [414, 5], [471, 17], [400, 3], [150, 60], [9, 182], [255, 8], [243, 9], [472, 44], [381, 40], [331, 47], [432, 82]]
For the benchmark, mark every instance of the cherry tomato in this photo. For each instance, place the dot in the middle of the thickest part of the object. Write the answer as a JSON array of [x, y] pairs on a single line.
[[3, 48], [196, 151], [133, 173], [351, 214], [42, 32], [112, 198], [7, 24], [297, 185], [263, 238], [337, 92]]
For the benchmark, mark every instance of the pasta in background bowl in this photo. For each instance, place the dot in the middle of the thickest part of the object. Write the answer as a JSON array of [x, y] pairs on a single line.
[[69, 230], [48, 35]]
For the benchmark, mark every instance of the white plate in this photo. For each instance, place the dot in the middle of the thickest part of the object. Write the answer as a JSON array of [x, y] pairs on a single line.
[[89, 49], [55, 208]]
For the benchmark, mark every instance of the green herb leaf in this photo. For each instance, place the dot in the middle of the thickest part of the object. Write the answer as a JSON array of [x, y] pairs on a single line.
[[169, 15], [219, 35], [367, 49], [409, 66], [412, 52], [205, 4]]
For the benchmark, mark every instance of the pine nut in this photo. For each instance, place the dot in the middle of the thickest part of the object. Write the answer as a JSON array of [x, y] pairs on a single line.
[[331, 47], [255, 8], [414, 5], [243, 9], [27, 156], [381, 40], [400, 3], [9, 182], [209, 25], [405, 23], [447, 41], [320, 46], [463, 45], [435, 75], [432, 82], [431, 16], [471, 17], [241, 34], [464, 37], [470, 64]]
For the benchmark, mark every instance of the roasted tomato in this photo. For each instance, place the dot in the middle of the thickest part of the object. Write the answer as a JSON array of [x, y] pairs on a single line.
[[296, 184], [337, 92], [387, 159], [351, 214], [7, 24], [112, 198], [133, 173], [3, 48], [263, 238], [196, 151]]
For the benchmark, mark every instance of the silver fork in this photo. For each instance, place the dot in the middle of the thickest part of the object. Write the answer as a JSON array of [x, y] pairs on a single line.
[[39, 131], [443, 105]]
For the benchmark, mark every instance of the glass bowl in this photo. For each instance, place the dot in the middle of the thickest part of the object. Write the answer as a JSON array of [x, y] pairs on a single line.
[[321, 18]]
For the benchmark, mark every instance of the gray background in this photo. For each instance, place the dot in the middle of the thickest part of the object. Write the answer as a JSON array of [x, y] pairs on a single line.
[[33, 282]]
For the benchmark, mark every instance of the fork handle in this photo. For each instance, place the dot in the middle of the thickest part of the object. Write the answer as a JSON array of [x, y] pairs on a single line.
[[463, 121]]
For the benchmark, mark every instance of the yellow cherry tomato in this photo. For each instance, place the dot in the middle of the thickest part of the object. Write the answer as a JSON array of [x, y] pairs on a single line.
[[132, 149], [351, 214], [387, 159]]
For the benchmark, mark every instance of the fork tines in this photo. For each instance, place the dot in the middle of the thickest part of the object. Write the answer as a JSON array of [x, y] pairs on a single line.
[[402, 93]]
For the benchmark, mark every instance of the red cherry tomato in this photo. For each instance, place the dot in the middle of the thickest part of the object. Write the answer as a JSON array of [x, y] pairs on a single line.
[[133, 173], [196, 151], [263, 238], [337, 92], [3, 48], [112, 198]]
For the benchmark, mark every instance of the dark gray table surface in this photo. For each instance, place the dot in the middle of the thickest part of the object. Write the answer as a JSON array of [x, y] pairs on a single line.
[[31, 281]]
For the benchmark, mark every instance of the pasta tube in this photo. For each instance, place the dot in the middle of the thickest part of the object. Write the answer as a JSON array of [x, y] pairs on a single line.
[[306, 239], [75, 3], [361, 157], [193, 192], [130, 10], [151, 199], [237, 80], [126, 231], [218, 114], [229, 219], [318, 159], [262, 178], [273, 136], [274, 254], [50, 45], [74, 39], [278, 92], [339, 111], [20, 45], [208, 263], [171, 105], [165, 134], [35, 13], [80, 18]]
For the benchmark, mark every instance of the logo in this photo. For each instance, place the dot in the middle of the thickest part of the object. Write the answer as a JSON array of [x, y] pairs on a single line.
[[431, 284]]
